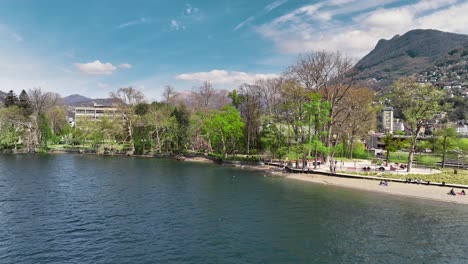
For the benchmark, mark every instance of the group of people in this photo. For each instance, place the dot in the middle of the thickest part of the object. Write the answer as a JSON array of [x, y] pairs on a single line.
[[452, 192], [333, 165], [417, 181]]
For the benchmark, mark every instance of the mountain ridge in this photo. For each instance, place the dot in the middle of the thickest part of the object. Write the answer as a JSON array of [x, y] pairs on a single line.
[[402, 55]]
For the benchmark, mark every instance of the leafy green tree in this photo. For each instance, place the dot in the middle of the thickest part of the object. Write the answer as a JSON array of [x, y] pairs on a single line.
[[317, 110], [10, 99], [141, 109], [236, 98], [271, 138], [393, 142], [225, 128], [446, 140], [13, 127], [419, 104], [45, 131]]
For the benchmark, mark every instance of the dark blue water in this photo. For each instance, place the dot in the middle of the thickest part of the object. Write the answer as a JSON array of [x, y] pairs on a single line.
[[87, 209]]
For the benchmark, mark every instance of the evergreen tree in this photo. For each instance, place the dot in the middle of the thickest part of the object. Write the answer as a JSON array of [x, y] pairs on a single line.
[[11, 99], [24, 103]]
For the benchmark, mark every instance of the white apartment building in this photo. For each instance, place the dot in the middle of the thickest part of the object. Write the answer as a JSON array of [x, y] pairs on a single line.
[[95, 112]]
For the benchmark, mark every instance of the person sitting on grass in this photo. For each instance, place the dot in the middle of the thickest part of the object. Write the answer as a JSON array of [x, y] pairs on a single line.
[[452, 192], [463, 192]]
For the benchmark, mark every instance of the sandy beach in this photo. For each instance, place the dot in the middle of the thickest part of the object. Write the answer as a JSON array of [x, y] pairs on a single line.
[[198, 160], [394, 188], [437, 193]]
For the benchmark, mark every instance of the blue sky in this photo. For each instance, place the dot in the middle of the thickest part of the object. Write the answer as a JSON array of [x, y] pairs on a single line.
[[94, 47]]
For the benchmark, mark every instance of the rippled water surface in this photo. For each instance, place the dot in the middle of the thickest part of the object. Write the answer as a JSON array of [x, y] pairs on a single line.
[[87, 209]]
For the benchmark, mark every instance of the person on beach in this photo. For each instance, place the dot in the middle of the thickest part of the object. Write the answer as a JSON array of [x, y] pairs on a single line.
[[452, 192], [463, 192]]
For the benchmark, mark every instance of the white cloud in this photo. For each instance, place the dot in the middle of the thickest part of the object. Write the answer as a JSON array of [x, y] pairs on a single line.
[[125, 66], [176, 25], [318, 27], [96, 67], [224, 77], [267, 9], [190, 10], [139, 21]]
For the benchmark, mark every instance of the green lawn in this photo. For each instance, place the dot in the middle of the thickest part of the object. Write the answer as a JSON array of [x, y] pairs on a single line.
[[447, 176]]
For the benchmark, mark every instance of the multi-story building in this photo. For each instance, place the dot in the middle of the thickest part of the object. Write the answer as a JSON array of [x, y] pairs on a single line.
[[94, 112], [387, 119]]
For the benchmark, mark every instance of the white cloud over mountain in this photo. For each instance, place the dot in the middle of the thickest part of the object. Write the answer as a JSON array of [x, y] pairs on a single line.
[[354, 27]]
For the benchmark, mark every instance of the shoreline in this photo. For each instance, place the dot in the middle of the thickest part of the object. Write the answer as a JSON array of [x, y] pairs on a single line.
[[427, 192], [419, 191]]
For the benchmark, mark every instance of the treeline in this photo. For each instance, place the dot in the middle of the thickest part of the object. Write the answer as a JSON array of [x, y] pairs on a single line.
[[313, 110]]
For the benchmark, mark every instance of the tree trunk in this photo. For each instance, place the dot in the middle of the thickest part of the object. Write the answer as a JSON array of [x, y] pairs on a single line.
[[444, 152], [130, 135], [158, 141], [248, 138], [411, 153], [388, 156], [224, 145]]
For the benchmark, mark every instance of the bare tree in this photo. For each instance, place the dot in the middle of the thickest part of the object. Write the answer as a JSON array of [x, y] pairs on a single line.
[[270, 91], [204, 93], [169, 94], [250, 110], [328, 74], [41, 101], [125, 99], [127, 96]]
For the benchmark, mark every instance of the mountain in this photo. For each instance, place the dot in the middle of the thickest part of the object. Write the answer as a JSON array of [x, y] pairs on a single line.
[[450, 70], [413, 52], [79, 100], [75, 98]]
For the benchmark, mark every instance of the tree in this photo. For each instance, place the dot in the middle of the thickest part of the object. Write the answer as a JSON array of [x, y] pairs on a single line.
[[169, 94], [446, 140], [270, 91], [318, 113], [250, 111], [182, 116], [203, 94], [41, 102], [126, 99], [419, 104], [58, 118], [13, 127], [225, 128], [10, 99], [393, 142], [25, 104], [327, 73], [236, 99], [356, 116], [162, 123]]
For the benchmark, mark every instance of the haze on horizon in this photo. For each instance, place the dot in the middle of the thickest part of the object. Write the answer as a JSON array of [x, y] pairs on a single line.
[[94, 47]]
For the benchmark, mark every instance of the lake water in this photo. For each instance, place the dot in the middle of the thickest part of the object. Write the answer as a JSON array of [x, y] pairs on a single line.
[[89, 209]]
